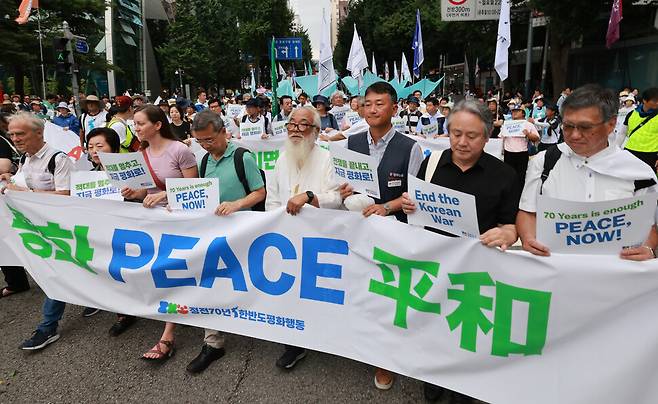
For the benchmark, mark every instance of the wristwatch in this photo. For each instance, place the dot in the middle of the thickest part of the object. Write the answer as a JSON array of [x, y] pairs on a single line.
[[388, 208], [310, 196]]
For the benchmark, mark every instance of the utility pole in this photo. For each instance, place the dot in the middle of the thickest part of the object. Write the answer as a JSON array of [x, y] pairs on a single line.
[[545, 61], [528, 58], [73, 69]]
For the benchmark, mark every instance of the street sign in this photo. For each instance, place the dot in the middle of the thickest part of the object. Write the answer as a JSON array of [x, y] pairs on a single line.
[[469, 10], [288, 48], [81, 46]]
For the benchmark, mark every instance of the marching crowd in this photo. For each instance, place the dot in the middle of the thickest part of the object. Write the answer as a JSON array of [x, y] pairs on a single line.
[[590, 145]]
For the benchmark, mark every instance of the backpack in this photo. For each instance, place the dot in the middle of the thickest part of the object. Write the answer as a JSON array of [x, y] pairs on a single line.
[[132, 143], [242, 176], [51, 162], [553, 154]]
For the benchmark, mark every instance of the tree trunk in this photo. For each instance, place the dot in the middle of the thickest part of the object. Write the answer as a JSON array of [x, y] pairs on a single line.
[[559, 62], [19, 80]]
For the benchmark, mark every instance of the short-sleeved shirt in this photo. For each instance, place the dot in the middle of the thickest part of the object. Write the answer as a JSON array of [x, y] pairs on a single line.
[[230, 187], [37, 176], [170, 164], [490, 181]]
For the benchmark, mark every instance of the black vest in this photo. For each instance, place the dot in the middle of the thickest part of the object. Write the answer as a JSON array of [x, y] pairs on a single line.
[[392, 170]]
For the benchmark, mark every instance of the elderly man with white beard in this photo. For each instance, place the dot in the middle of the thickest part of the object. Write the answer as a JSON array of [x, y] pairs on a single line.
[[304, 174]]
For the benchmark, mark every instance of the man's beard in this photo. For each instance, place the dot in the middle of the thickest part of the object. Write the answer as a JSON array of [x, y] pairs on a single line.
[[298, 152]]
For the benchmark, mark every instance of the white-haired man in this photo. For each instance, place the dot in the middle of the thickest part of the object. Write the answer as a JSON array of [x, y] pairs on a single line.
[[338, 108], [304, 174]]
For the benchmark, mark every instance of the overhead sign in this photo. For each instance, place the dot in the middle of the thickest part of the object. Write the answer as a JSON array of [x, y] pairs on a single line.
[[469, 10], [288, 48], [81, 46]]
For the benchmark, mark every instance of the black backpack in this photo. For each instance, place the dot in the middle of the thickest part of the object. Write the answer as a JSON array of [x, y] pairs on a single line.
[[242, 176], [553, 154], [51, 162]]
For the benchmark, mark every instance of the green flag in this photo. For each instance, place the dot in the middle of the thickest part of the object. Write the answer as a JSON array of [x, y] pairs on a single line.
[[275, 80]]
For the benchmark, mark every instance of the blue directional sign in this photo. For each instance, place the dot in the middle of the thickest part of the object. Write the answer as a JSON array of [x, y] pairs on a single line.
[[81, 46], [288, 48]]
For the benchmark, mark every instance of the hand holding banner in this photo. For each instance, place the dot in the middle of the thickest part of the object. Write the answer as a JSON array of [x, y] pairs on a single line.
[[443, 208], [127, 170], [358, 170], [594, 227]]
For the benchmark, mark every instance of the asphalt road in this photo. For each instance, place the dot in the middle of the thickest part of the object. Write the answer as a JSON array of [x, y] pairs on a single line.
[[88, 366]]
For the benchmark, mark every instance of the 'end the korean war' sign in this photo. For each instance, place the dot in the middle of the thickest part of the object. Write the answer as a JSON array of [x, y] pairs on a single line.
[[468, 10], [594, 227]]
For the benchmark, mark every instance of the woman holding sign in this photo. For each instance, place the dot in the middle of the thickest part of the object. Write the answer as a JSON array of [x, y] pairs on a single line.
[[165, 157]]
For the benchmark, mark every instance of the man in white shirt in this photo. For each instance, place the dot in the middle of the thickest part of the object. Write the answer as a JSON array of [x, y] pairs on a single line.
[[339, 109], [431, 116], [304, 174], [586, 168], [47, 170], [95, 117]]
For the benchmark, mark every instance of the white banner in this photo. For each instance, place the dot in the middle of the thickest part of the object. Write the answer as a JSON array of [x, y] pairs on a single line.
[[443, 208], [251, 130], [358, 170], [93, 184], [594, 227], [127, 170], [64, 140], [505, 328], [193, 193]]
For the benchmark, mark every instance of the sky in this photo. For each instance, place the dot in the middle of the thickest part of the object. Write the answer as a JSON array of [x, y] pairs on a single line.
[[310, 14]]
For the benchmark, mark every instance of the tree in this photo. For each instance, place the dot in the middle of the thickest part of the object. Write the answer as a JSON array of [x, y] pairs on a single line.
[[20, 43]]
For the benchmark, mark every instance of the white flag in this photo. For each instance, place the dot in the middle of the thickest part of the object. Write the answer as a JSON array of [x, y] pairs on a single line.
[[467, 76], [386, 72], [396, 75], [477, 66], [374, 65], [357, 61], [404, 69], [282, 72], [326, 73], [504, 40]]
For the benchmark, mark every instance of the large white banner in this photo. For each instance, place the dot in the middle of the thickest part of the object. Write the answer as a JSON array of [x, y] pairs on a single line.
[[502, 327]]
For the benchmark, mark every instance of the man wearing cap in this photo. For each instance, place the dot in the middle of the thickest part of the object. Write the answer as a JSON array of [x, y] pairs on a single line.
[[329, 123], [93, 118], [138, 100], [66, 119], [119, 123], [642, 128], [515, 143], [550, 128], [411, 115], [37, 110], [538, 110], [253, 115]]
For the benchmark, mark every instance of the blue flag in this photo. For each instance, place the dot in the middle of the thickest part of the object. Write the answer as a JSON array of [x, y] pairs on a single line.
[[417, 46]]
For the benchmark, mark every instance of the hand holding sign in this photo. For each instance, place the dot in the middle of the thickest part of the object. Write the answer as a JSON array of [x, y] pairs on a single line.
[[127, 170], [193, 193], [358, 170]]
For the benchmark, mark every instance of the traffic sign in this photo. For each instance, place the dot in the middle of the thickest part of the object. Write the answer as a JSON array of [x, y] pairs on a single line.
[[288, 48], [81, 46]]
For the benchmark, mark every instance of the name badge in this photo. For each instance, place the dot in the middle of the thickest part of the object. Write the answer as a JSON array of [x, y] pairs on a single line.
[[395, 183]]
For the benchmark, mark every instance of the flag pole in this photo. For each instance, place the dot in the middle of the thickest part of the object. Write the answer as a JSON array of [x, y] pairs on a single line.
[[43, 72]]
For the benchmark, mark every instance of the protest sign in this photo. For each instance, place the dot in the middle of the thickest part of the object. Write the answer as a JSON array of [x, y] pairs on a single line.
[[443, 208], [339, 114], [234, 110], [193, 193], [460, 315], [279, 129], [358, 170], [399, 124], [251, 130], [352, 117], [430, 130], [514, 128], [594, 227], [93, 184], [127, 170]]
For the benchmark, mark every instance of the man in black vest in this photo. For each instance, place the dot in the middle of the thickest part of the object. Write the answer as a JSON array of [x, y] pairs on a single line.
[[397, 155]]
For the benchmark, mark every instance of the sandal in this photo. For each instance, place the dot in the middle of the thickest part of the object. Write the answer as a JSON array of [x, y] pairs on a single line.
[[162, 356], [6, 292]]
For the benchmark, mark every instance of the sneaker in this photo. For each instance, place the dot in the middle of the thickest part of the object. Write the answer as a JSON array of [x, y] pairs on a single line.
[[207, 356], [290, 357], [90, 311], [121, 325], [39, 340]]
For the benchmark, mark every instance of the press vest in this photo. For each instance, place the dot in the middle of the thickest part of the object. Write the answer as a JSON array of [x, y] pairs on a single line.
[[644, 139]]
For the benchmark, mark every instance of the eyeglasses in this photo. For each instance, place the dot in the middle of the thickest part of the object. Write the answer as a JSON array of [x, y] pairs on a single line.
[[206, 141], [298, 127], [583, 129]]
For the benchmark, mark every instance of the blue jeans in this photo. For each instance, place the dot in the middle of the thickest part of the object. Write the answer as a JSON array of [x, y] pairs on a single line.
[[53, 310]]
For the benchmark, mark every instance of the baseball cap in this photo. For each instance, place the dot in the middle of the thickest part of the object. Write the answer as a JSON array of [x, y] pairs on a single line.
[[123, 101]]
